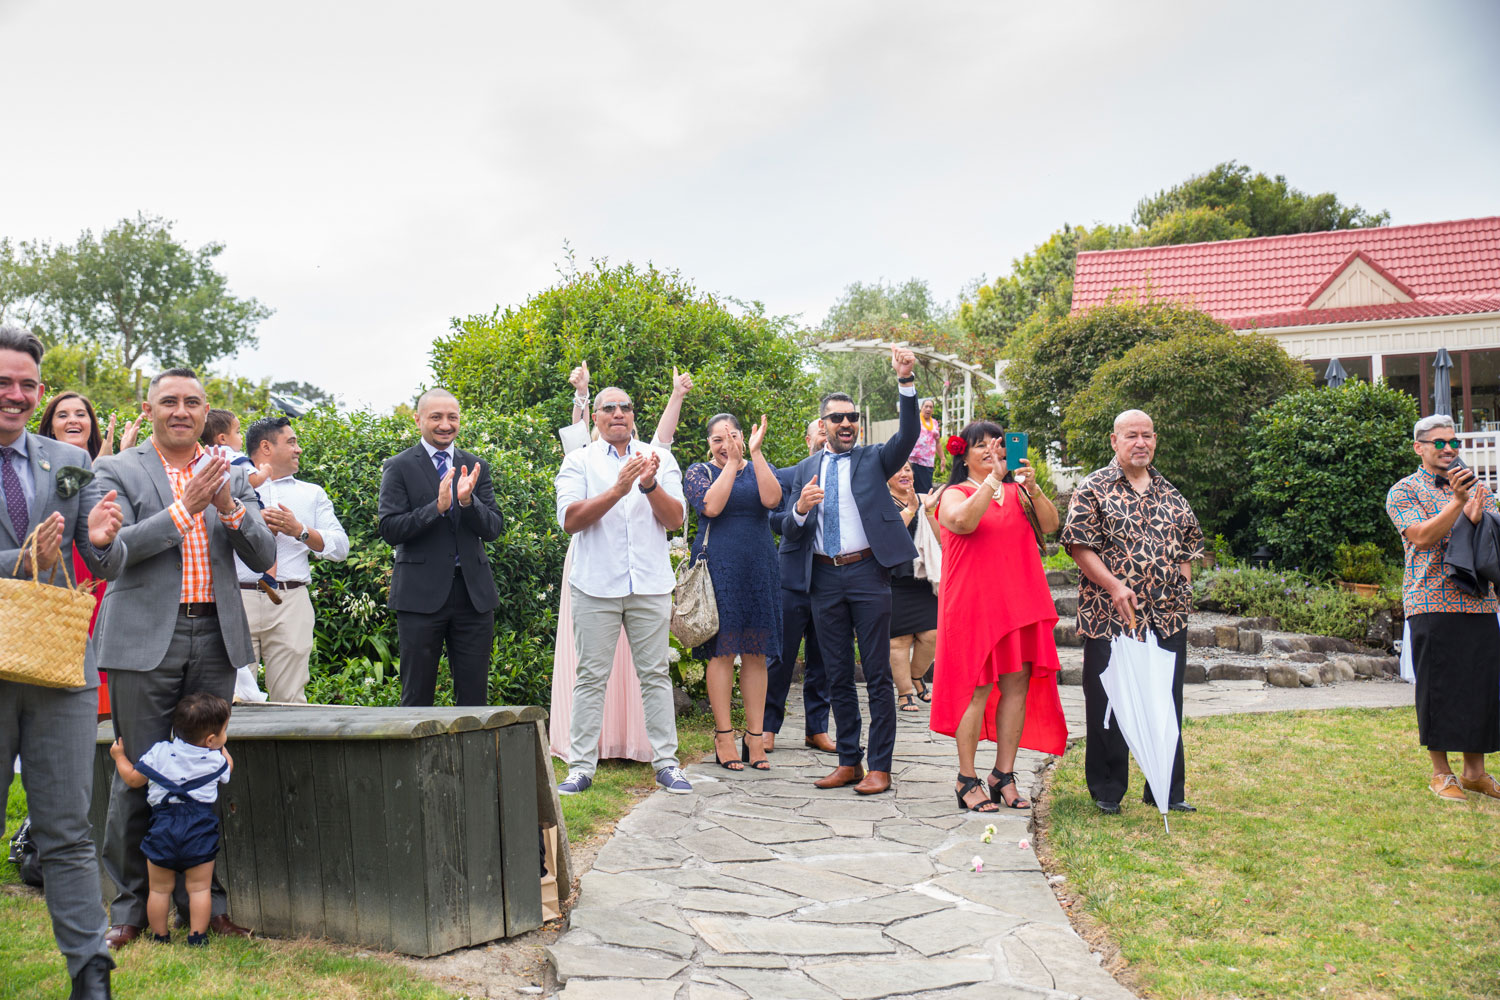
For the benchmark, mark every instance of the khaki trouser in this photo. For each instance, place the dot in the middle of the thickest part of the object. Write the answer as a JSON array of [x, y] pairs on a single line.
[[282, 635]]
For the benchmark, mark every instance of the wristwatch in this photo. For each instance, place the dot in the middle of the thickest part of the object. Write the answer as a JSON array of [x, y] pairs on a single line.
[[908, 380], [303, 537], [647, 490]]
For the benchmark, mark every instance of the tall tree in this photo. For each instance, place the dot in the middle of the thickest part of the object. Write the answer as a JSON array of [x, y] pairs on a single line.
[[1245, 204], [134, 289]]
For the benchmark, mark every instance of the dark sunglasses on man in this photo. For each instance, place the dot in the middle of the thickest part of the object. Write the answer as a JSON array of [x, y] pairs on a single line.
[[851, 416], [611, 408], [1441, 443]]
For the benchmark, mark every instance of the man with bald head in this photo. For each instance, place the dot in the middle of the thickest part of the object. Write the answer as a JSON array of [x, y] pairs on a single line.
[[1132, 535], [437, 509]]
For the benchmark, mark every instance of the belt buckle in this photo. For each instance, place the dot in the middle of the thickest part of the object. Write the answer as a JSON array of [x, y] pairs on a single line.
[[843, 559], [190, 611]]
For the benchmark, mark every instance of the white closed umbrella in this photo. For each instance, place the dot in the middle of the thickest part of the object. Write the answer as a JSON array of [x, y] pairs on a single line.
[[1138, 682]]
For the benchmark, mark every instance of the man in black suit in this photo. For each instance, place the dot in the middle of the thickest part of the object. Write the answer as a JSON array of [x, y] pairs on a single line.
[[437, 507], [845, 535], [797, 626]]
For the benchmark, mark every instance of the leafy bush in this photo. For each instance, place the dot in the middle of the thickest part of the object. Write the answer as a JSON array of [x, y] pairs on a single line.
[[1321, 462], [1201, 390], [633, 326], [1297, 602], [355, 647], [1057, 363], [1362, 563]]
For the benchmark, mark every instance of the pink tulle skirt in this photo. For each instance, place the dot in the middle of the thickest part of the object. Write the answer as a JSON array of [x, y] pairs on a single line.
[[623, 734]]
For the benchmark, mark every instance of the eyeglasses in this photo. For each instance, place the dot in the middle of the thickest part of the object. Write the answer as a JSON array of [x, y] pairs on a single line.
[[611, 408], [1441, 443], [837, 418]]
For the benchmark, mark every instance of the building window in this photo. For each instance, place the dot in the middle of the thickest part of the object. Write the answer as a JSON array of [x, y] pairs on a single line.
[[1484, 390]]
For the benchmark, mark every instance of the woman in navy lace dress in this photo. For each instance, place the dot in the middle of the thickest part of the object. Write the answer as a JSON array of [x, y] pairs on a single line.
[[731, 494]]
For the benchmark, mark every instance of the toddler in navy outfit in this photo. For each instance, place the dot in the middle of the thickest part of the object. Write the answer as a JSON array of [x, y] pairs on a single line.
[[184, 774]]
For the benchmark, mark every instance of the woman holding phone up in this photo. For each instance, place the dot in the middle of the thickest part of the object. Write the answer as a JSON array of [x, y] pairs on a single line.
[[996, 674]]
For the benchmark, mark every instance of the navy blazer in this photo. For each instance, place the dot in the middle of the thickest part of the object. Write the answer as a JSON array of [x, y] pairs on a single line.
[[870, 467]]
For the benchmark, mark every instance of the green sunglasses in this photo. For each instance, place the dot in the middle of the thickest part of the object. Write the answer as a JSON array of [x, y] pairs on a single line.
[[1441, 443]]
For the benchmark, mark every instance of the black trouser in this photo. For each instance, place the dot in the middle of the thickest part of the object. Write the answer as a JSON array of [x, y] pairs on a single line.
[[141, 704], [854, 601], [470, 638], [921, 478], [797, 624], [1106, 758]]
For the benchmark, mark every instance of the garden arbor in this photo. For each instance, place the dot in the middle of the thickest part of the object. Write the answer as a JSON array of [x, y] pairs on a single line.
[[952, 407]]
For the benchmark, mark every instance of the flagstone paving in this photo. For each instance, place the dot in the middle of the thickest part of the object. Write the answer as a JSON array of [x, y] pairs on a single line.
[[760, 885]]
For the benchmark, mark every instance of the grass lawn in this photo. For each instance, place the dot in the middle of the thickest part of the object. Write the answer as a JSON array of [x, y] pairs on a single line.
[[31, 967], [1320, 866]]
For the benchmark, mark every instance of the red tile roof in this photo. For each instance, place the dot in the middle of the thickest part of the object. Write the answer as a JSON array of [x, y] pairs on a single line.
[[1449, 268]]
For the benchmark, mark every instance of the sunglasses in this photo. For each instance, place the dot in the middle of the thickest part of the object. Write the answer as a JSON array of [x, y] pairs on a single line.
[[837, 418], [1441, 443], [612, 408]]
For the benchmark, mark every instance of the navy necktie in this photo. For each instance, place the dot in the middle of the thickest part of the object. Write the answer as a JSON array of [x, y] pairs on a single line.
[[15, 497], [831, 541], [440, 460]]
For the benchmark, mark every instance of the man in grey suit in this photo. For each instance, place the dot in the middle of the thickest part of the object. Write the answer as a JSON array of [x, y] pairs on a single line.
[[172, 622], [52, 730]]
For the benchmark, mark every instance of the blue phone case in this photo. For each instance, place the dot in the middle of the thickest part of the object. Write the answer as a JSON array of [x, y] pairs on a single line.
[[1015, 449]]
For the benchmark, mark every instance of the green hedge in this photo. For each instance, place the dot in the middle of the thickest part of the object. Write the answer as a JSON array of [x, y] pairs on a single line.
[[1322, 461], [355, 646]]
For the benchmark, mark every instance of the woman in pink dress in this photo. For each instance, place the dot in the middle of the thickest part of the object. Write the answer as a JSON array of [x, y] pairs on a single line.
[[924, 454], [996, 675], [623, 733]]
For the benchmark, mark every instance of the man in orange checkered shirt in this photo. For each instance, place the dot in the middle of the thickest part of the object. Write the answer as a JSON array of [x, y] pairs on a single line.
[[172, 622]]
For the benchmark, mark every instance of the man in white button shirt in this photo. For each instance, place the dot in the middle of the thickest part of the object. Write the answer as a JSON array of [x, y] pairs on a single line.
[[621, 497], [301, 517]]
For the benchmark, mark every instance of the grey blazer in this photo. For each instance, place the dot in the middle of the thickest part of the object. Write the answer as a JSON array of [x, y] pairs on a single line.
[[139, 610], [45, 457]]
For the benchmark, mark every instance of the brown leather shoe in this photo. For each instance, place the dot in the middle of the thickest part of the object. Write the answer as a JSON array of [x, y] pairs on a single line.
[[225, 927], [875, 782], [841, 776], [820, 741], [119, 935], [1445, 787], [1485, 784]]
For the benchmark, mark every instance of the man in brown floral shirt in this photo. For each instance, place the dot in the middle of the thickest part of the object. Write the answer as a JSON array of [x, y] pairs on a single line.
[[1131, 534]]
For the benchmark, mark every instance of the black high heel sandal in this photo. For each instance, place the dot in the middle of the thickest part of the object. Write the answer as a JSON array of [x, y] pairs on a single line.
[[924, 693], [969, 784], [728, 765], [760, 765], [1003, 778]]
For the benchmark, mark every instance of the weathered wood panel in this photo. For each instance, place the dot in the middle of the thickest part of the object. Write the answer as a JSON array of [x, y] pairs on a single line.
[[521, 879], [481, 752], [335, 843]]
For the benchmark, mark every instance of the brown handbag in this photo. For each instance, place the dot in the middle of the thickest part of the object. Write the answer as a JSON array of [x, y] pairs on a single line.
[[1036, 525]]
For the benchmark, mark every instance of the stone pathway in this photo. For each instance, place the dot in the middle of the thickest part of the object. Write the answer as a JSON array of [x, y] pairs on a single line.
[[760, 885]]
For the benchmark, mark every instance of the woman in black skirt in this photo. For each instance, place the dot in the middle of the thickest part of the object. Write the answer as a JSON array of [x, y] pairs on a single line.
[[914, 603], [1455, 637]]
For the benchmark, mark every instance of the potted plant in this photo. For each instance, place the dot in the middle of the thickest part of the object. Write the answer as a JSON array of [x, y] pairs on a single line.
[[1359, 568]]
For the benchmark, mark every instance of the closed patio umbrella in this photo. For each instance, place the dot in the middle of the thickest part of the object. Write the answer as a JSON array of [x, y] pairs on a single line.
[[1442, 385], [1335, 375]]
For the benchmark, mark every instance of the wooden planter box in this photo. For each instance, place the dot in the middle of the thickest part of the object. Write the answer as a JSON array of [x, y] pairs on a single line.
[[1362, 589], [412, 830]]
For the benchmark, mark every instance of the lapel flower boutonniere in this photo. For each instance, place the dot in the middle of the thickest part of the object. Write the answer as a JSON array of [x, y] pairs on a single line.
[[71, 479]]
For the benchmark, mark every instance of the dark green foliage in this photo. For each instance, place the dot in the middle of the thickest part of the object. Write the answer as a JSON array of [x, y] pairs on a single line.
[[1362, 563], [1321, 463], [632, 326], [1058, 362], [356, 632], [1228, 202], [1298, 602], [1200, 390]]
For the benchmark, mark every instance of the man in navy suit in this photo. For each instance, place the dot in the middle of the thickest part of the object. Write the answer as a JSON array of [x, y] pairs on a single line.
[[845, 535], [797, 625]]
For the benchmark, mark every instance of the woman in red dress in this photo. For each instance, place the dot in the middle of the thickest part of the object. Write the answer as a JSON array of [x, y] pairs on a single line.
[[996, 673]]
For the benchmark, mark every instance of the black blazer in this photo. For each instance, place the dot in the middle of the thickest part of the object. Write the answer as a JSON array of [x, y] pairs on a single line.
[[871, 466], [791, 562], [426, 541], [1473, 556]]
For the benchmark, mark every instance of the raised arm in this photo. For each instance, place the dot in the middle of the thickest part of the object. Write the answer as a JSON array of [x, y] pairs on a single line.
[[666, 427]]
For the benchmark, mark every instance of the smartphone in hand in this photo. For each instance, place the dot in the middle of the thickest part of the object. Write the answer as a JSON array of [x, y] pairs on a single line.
[[1015, 449]]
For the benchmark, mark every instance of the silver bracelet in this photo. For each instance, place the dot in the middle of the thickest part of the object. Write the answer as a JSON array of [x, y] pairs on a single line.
[[582, 402]]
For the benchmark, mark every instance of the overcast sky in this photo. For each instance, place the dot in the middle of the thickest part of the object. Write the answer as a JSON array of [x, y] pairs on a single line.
[[378, 168]]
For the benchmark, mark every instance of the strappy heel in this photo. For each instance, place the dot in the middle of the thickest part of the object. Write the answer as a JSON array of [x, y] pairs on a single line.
[[1003, 778], [970, 783], [730, 764], [923, 693], [760, 765]]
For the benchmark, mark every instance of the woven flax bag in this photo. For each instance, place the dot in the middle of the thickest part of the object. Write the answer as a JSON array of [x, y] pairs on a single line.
[[43, 629], [695, 610]]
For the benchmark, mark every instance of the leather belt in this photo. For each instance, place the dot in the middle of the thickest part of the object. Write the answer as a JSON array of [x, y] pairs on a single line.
[[278, 585], [198, 609], [843, 560]]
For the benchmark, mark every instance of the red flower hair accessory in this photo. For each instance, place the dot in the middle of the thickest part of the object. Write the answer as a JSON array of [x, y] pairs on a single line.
[[956, 445]]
